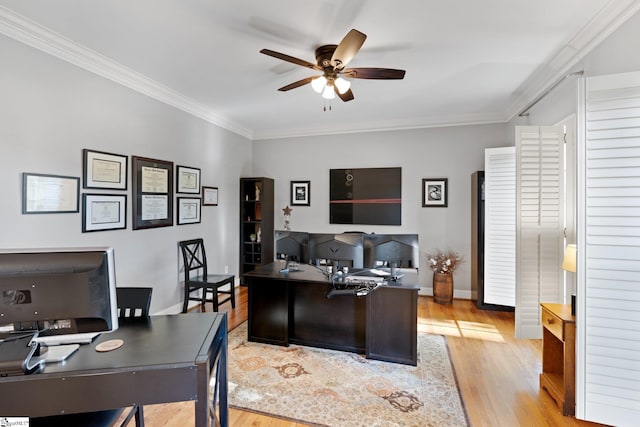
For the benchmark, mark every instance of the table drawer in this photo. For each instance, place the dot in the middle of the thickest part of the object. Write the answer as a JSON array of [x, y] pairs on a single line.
[[553, 324]]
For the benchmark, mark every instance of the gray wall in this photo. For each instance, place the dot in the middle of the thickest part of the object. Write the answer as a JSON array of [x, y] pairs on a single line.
[[451, 152], [51, 110]]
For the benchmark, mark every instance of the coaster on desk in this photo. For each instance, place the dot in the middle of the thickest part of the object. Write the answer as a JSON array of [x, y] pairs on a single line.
[[109, 345]]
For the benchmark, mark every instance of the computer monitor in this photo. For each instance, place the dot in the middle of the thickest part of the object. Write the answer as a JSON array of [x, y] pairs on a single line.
[[381, 250], [344, 249], [58, 291], [292, 245]]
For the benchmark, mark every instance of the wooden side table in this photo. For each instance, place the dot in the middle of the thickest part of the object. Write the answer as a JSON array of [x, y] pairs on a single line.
[[558, 375]]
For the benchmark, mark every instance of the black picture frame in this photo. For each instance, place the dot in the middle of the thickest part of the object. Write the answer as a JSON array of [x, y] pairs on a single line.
[[44, 193], [301, 193], [189, 210], [152, 182], [103, 212], [187, 180], [435, 192], [209, 196], [102, 170]]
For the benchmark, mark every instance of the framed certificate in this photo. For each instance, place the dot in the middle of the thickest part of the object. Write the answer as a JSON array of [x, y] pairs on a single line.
[[102, 212], [152, 182], [209, 196], [189, 210], [50, 193], [104, 170], [187, 180]]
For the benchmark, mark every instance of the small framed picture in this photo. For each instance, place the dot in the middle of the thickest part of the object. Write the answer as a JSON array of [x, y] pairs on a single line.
[[102, 212], [189, 210], [434, 192], [209, 196], [104, 170], [187, 180], [301, 193], [50, 193]]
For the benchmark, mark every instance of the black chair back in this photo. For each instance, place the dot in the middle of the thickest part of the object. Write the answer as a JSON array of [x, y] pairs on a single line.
[[133, 302], [194, 258]]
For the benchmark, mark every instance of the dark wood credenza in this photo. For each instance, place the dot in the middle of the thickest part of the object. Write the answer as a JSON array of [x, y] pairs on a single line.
[[293, 308]]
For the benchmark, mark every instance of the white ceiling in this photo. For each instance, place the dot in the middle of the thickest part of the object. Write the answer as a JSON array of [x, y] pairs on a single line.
[[467, 61]]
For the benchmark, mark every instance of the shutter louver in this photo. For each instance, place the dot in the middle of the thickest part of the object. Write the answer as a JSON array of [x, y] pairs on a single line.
[[500, 226], [539, 237], [609, 277]]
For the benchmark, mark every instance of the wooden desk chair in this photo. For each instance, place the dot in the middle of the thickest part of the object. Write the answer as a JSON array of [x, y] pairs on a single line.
[[133, 303], [196, 277]]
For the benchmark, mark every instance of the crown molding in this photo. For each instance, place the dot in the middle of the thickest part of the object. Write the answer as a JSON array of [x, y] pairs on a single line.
[[610, 17], [39, 37], [377, 126]]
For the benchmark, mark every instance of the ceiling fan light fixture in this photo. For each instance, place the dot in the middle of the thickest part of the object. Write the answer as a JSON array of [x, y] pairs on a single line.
[[328, 92], [342, 85], [319, 83]]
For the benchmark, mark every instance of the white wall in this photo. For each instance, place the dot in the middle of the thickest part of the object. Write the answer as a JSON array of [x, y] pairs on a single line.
[[452, 152], [51, 110], [618, 53]]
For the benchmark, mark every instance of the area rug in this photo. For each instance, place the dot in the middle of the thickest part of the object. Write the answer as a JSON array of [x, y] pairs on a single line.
[[332, 388]]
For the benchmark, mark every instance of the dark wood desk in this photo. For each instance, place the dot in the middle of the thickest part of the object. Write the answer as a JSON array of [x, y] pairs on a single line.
[[165, 359], [293, 308]]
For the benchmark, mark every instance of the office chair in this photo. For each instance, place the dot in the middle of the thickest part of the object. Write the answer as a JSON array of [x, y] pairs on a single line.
[[133, 304], [195, 261]]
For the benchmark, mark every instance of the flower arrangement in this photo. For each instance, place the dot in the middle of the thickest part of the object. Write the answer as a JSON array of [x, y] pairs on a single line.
[[444, 261]]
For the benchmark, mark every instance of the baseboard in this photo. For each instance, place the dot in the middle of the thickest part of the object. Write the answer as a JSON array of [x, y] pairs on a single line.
[[457, 294], [177, 308]]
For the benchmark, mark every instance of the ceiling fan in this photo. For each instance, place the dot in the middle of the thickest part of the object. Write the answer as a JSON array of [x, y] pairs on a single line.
[[331, 61]]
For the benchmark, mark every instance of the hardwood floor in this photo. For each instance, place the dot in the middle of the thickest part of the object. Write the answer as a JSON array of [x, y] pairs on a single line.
[[497, 374]]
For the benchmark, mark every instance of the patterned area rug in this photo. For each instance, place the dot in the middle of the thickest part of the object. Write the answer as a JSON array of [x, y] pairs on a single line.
[[333, 388]]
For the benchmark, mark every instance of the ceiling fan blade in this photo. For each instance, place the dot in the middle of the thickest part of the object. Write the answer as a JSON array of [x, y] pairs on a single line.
[[347, 96], [374, 73], [296, 84], [347, 49], [291, 59]]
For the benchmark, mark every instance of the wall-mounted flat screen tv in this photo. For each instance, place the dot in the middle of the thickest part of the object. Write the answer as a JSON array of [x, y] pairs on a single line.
[[365, 196]]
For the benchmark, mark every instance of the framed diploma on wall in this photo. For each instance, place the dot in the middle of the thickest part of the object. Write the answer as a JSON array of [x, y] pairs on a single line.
[[104, 170], [101, 212], [49, 193], [152, 182], [209, 196], [187, 180], [189, 210]]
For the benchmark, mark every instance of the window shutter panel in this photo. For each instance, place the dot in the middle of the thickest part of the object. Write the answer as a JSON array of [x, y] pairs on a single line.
[[539, 223], [608, 340], [500, 226]]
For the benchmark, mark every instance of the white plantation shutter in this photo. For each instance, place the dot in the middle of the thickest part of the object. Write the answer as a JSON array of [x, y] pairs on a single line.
[[608, 313], [500, 226], [539, 224]]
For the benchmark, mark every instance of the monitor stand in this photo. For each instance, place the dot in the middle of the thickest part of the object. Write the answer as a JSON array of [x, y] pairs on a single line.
[[58, 353]]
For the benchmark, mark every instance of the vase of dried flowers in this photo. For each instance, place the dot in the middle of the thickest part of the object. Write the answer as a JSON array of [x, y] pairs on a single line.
[[443, 264]]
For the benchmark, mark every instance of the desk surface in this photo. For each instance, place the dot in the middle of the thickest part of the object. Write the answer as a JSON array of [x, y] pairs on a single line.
[[163, 340], [312, 273], [164, 359]]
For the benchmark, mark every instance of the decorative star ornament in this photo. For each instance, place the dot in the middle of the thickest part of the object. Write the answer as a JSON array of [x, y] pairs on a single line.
[[287, 210]]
